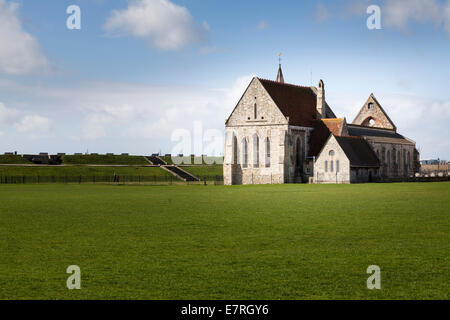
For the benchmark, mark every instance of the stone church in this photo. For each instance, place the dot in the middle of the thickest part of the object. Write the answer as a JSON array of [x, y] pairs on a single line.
[[285, 133]]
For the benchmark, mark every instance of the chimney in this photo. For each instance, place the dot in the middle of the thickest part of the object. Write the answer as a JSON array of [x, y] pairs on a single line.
[[321, 106]]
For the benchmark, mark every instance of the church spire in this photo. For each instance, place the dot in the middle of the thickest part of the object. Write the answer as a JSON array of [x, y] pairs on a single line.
[[280, 77]]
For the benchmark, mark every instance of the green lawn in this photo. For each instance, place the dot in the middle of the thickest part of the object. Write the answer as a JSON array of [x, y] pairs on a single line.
[[61, 171], [201, 171], [13, 159], [104, 159], [217, 242]]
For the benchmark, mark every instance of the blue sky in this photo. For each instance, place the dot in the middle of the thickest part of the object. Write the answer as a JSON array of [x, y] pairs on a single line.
[[139, 70]]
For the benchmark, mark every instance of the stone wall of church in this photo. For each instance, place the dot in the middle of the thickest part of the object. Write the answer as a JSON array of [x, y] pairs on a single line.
[[332, 165], [375, 113], [296, 151], [256, 165], [397, 160], [267, 113], [255, 120], [362, 175]]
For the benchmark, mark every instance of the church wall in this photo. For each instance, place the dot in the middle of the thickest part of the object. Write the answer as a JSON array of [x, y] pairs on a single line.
[[395, 166], [324, 161], [266, 122], [379, 117], [267, 170], [296, 151], [267, 112], [362, 175]]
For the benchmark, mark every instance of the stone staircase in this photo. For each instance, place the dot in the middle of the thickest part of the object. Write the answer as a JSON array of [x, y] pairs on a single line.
[[180, 173], [155, 160], [173, 169]]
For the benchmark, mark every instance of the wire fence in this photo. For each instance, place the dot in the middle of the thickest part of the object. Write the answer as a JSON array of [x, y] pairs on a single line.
[[110, 179]]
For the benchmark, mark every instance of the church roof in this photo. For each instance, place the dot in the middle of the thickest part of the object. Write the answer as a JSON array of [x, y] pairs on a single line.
[[358, 151], [296, 102], [323, 128], [335, 125], [319, 137], [377, 134]]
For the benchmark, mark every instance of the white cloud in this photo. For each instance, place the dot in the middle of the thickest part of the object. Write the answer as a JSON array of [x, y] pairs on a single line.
[[23, 122], [398, 13], [7, 115], [164, 24], [33, 124], [119, 117], [19, 51]]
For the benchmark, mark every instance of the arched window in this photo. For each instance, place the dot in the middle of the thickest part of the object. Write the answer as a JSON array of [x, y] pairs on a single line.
[[331, 153], [383, 154], [255, 150], [244, 153], [408, 159], [337, 166], [298, 153], [267, 143], [326, 166], [394, 158], [235, 150], [370, 106], [331, 165], [399, 158], [255, 111], [388, 157]]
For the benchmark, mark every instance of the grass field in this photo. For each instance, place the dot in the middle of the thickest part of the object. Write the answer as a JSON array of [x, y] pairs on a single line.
[[61, 171], [13, 159], [205, 170], [104, 159], [216, 242]]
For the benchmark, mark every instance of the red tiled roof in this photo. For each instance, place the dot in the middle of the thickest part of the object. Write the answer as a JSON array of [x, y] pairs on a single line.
[[358, 151], [334, 125], [296, 102]]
